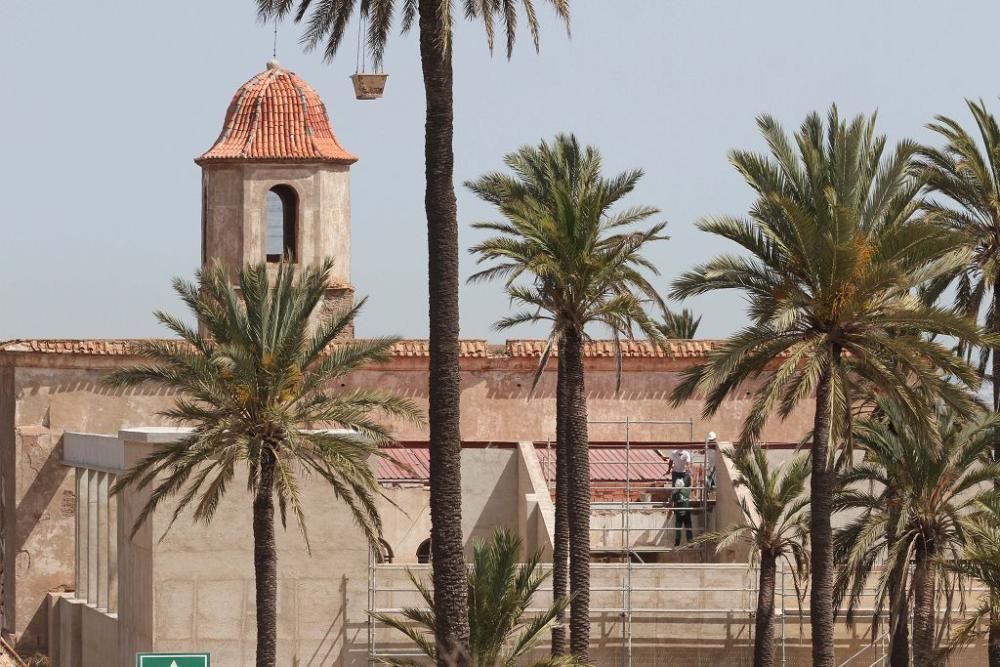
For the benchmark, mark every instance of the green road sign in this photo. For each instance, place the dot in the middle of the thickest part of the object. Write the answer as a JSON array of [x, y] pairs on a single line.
[[172, 660]]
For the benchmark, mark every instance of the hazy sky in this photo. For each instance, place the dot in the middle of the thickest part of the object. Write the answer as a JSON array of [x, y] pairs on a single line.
[[108, 102]]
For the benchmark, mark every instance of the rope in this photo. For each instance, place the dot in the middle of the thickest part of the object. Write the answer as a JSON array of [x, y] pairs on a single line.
[[359, 61], [274, 51]]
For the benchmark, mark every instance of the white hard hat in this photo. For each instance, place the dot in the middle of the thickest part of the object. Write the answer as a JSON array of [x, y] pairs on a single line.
[[711, 435]]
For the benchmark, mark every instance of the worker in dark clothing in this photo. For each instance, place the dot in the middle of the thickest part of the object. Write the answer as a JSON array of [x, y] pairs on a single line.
[[681, 500]]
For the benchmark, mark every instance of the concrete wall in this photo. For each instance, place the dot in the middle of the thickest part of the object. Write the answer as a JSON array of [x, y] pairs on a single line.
[[489, 492], [727, 506], [536, 513], [81, 635], [194, 588]]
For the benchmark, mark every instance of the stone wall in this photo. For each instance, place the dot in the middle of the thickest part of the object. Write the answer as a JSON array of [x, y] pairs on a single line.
[[44, 394], [8, 522]]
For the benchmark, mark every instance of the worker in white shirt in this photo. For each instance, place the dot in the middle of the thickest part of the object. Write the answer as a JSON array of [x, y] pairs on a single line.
[[680, 466]]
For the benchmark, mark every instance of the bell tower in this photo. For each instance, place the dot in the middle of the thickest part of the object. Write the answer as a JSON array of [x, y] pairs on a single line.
[[277, 183]]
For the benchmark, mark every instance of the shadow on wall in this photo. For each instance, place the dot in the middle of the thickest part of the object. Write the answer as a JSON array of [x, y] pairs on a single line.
[[91, 387], [327, 645], [31, 512], [496, 472], [600, 385]]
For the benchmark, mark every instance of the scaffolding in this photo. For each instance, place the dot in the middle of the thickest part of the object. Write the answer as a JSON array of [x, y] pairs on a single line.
[[630, 551], [629, 592], [639, 496], [627, 495], [390, 593]]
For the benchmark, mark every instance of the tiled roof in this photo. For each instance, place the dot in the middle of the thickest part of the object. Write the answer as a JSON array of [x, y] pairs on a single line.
[[629, 348], [421, 348], [469, 349], [126, 347], [277, 116], [100, 347]]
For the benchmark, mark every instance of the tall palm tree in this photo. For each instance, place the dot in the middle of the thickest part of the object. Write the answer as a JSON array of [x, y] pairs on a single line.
[[681, 325], [980, 560], [917, 485], [835, 245], [3, 550], [254, 385], [500, 592], [327, 23], [580, 266], [967, 175], [775, 525]]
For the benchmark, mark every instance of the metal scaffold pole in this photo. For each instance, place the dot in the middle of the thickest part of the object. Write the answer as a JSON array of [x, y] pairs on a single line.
[[372, 587], [628, 545], [625, 504]]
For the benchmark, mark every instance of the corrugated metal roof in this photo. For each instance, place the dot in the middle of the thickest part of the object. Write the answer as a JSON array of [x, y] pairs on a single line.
[[405, 464], [607, 464], [611, 463]]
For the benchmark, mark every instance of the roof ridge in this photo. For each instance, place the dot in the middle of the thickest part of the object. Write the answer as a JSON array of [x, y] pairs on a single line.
[[404, 347]]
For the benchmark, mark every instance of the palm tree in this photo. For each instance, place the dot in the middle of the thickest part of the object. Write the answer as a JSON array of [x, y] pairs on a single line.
[[980, 560], [775, 525], [835, 245], [917, 485], [254, 385], [681, 325], [328, 22], [500, 591], [580, 267], [967, 174], [969, 178], [859, 547]]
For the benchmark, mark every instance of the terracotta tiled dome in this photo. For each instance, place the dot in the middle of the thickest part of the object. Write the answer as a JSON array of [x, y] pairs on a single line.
[[277, 116]]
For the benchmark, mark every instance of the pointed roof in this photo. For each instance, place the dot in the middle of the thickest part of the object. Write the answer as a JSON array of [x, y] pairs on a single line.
[[276, 116]]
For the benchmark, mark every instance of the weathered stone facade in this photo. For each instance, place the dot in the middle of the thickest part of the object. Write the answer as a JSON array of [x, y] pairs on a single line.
[[46, 393]]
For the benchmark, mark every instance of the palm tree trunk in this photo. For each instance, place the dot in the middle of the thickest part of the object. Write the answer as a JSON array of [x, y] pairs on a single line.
[[899, 622], [265, 564], [447, 545], [560, 550], [923, 605], [821, 533], [993, 651], [763, 647], [579, 495], [994, 327]]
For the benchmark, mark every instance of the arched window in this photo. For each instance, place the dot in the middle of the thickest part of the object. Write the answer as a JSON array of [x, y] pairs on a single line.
[[282, 219], [424, 552], [383, 554]]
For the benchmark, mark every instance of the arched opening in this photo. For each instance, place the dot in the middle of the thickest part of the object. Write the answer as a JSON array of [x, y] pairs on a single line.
[[282, 220], [383, 554], [424, 552]]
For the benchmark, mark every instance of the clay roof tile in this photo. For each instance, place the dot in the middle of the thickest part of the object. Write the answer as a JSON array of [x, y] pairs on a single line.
[[267, 117], [473, 348]]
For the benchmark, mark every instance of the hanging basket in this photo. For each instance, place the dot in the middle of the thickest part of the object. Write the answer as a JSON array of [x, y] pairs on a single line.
[[368, 86]]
